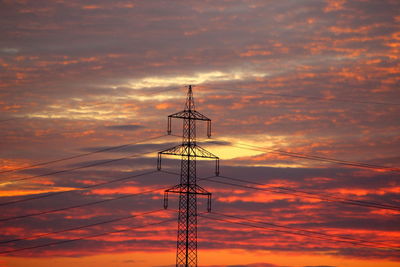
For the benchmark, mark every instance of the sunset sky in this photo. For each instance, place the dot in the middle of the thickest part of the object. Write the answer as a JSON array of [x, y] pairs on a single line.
[[304, 99]]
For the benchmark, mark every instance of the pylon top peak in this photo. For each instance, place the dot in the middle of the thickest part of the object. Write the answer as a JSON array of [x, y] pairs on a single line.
[[190, 99]]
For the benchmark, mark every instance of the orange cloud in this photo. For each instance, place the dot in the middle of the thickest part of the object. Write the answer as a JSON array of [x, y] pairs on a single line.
[[334, 5], [24, 192], [252, 53], [163, 106], [119, 190], [92, 7]]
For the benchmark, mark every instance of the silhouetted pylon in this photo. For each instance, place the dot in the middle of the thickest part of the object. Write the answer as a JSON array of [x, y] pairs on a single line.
[[188, 189]]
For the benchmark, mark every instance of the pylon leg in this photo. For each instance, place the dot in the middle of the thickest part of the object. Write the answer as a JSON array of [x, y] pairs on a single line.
[[186, 255]]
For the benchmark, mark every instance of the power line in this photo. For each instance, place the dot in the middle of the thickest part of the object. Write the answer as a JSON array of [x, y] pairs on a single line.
[[81, 155], [78, 168], [303, 232], [88, 204], [77, 189], [308, 231], [85, 237], [300, 155], [319, 158], [312, 195], [337, 161], [78, 206], [309, 157], [77, 227]]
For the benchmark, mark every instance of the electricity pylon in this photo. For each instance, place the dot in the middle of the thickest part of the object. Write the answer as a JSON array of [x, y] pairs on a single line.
[[186, 254]]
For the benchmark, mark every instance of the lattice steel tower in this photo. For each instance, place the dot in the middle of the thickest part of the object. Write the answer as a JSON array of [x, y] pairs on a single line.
[[188, 189]]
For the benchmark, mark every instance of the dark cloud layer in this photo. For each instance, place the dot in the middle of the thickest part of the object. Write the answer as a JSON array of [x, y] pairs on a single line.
[[127, 127]]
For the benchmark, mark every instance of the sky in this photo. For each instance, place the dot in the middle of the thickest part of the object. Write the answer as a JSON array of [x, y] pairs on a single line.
[[304, 100]]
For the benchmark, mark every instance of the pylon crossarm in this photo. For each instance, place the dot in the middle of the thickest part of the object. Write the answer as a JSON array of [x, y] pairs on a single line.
[[201, 190], [175, 187], [197, 190], [183, 150], [189, 114], [190, 193], [176, 150], [202, 153]]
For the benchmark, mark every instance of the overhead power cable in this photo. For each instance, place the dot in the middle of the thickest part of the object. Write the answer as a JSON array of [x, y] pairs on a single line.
[[88, 204], [303, 232], [309, 157], [85, 237], [305, 194], [78, 168], [303, 156], [77, 206], [318, 158], [326, 159], [76, 189], [82, 155], [79, 227], [310, 231]]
